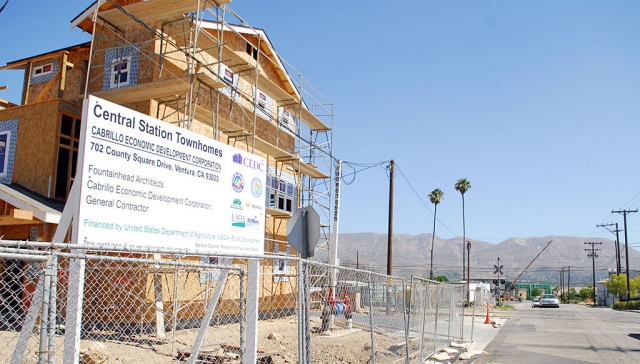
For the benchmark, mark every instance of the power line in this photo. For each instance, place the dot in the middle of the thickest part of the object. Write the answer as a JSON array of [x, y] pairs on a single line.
[[626, 245], [424, 203], [593, 255]]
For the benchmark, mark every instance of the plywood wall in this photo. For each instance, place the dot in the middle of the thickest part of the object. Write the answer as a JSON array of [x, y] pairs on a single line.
[[75, 77], [37, 146]]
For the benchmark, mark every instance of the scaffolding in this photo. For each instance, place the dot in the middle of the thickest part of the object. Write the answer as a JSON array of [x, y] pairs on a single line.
[[200, 66]]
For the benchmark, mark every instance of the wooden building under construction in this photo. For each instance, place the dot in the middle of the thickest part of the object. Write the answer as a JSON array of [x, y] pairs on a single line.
[[203, 69]]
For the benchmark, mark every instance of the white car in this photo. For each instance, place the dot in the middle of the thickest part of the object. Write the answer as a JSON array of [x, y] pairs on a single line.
[[535, 303], [549, 300]]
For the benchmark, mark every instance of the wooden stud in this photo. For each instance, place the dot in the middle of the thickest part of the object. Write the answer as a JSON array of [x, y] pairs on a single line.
[[63, 73], [26, 84], [10, 221]]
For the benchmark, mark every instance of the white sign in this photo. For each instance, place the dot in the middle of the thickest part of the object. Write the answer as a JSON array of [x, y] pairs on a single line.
[[146, 183]]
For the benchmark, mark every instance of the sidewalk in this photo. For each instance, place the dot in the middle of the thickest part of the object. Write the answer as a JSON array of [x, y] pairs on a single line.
[[482, 335]]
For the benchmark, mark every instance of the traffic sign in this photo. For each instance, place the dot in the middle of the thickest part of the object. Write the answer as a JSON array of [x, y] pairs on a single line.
[[498, 269]]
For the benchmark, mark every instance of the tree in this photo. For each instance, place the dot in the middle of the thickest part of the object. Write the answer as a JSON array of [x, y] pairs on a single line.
[[441, 279], [462, 186], [535, 292], [635, 286], [586, 292], [617, 284], [435, 196], [569, 295]]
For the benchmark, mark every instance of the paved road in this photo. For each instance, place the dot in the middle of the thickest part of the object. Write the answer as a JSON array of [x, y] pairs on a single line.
[[569, 334]]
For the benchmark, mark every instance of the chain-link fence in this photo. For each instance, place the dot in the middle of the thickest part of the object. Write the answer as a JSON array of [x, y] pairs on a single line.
[[19, 290], [96, 306], [435, 316]]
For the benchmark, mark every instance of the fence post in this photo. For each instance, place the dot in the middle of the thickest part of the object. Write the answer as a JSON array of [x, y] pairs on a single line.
[[406, 318], [253, 296], [450, 314], [73, 322], [53, 306], [159, 302], [241, 316], [435, 328], [307, 307], [462, 304], [301, 344], [44, 314], [473, 311], [373, 342], [424, 319]]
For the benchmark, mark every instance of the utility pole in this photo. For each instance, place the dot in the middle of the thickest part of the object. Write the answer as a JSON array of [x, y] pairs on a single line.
[[562, 284], [619, 270], [469, 271], [569, 284], [357, 259], [499, 271], [390, 237], [626, 244], [617, 242], [390, 227], [593, 255]]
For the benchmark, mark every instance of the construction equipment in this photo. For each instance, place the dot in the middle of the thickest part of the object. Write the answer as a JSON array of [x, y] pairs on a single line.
[[513, 283]]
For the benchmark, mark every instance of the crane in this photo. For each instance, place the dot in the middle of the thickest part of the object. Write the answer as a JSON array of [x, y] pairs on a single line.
[[513, 283]]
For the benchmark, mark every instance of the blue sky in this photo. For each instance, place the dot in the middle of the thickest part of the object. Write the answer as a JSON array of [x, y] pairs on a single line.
[[536, 103]]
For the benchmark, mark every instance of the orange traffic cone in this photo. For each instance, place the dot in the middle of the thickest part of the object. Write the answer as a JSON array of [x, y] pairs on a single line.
[[487, 320]]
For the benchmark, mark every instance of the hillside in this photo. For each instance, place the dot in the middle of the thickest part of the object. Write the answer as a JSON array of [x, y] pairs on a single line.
[[411, 256]]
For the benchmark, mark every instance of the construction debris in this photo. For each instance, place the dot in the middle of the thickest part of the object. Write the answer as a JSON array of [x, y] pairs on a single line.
[[441, 356], [459, 345], [450, 351], [469, 354]]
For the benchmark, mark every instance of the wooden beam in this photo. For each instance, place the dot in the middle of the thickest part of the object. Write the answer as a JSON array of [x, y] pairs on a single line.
[[147, 91], [21, 214], [273, 90], [210, 81], [316, 124], [277, 213], [154, 10], [47, 88], [27, 80], [63, 73], [8, 221]]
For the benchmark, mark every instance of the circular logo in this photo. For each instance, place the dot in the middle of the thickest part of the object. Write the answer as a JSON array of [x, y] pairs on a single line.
[[256, 187], [237, 182]]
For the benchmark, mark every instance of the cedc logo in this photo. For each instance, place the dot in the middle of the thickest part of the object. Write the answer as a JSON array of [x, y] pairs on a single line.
[[248, 162]]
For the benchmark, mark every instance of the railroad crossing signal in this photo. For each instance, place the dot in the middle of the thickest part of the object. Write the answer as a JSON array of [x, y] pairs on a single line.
[[498, 269]]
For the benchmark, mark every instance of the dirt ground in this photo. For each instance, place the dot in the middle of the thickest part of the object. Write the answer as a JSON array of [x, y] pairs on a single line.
[[277, 343]]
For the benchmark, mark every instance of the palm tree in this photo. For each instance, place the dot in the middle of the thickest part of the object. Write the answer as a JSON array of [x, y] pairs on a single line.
[[435, 196], [462, 186]]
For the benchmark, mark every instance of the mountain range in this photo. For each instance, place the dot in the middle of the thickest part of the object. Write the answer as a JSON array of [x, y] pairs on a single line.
[[411, 256]]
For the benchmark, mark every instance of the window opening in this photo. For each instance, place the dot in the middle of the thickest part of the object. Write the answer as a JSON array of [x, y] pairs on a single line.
[[252, 51], [281, 194], [42, 70], [5, 139], [67, 155], [120, 72]]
